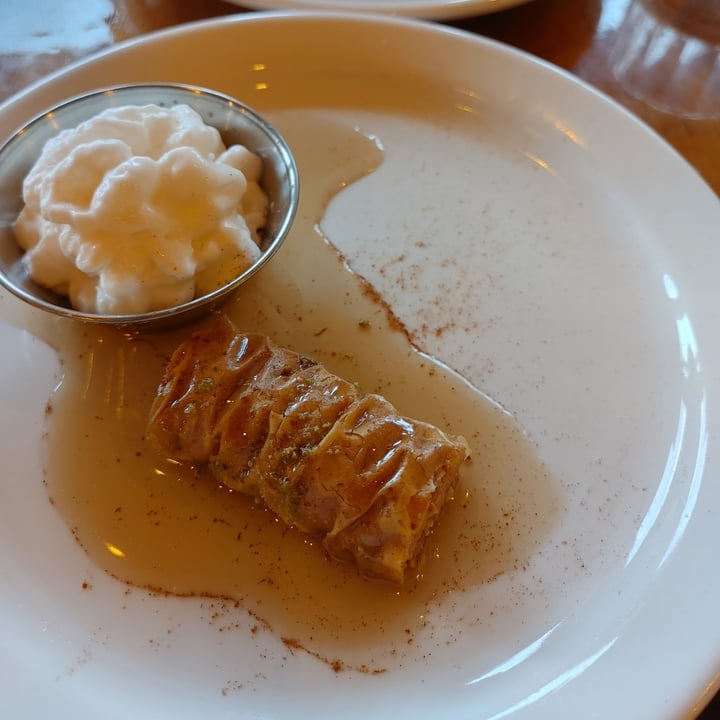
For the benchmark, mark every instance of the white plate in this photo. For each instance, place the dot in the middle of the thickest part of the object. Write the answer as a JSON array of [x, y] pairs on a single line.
[[585, 302], [429, 9]]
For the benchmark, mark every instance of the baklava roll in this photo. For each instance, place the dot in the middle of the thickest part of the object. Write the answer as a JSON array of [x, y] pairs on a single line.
[[336, 463]]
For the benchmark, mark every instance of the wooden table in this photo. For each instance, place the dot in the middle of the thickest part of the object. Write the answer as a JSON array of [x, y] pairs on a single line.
[[577, 35]]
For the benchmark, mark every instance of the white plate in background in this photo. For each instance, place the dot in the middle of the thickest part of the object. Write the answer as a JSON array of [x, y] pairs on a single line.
[[585, 303], [429, 9]]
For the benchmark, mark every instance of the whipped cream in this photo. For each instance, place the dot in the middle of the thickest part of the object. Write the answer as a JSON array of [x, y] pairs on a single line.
[[140, 208]]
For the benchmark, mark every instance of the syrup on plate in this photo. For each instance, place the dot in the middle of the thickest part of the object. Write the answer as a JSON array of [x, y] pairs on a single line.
[[156, 524]]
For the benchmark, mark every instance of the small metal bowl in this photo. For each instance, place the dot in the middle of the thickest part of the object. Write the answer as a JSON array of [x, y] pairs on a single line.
[[237, 124]]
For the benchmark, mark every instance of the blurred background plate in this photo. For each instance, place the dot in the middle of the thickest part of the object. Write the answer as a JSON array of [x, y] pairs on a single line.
[[429, 9]]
